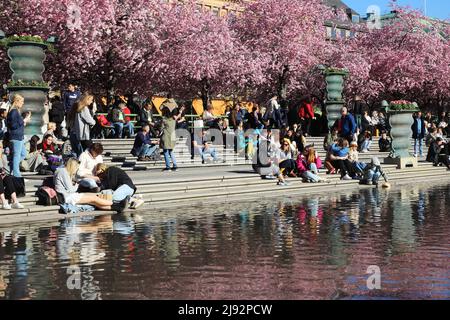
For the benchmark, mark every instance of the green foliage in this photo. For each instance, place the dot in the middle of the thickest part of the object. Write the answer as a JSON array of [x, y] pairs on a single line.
[[22, 83]]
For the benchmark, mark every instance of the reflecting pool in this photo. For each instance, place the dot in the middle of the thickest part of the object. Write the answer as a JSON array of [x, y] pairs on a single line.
[[328, 246]]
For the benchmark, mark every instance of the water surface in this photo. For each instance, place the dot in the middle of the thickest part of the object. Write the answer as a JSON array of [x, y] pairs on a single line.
[[312, 247]]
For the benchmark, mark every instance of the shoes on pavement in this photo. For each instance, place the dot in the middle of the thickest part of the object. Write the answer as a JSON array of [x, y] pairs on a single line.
[[17, 205], [346, 177]]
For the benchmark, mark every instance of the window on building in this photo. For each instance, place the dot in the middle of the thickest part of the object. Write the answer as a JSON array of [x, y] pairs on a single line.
[[355, 18], [343, 33], [333, 33], [352, 34], [215, 11]]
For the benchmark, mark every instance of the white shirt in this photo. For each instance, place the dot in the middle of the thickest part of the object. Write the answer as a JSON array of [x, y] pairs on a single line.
[[87, 164]]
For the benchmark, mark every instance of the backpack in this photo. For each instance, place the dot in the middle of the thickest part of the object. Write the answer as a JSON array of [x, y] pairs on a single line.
[[47, 196]]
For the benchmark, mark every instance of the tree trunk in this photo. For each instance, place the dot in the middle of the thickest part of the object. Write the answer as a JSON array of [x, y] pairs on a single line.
[[206, 93], [282, 84], [111, 79]]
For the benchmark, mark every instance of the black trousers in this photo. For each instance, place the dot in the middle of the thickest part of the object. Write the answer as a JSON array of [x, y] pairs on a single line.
[[345, 166], [288, 165], [7, 186]]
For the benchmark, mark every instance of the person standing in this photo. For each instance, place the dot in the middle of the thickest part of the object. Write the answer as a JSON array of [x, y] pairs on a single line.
[[418, 130], [70, 97], [346, 125], [358, 110], [168, 138], [306, 115], [16, 126], [80, 122], [56, 114]]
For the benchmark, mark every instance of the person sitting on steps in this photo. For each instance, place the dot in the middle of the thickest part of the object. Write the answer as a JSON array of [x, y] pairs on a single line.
[[65, 186], [145, 147]]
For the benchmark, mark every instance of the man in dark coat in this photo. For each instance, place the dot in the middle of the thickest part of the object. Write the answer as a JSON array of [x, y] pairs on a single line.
[[418, 130]]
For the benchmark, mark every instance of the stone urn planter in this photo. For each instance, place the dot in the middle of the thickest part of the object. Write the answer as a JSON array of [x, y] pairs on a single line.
[[27, 64], [334, 79], [401, 121]]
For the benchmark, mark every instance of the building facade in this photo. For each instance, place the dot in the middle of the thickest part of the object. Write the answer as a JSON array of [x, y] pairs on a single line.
[[334, 29]]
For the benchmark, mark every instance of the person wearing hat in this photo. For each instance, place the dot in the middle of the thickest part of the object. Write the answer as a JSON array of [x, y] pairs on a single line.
[[438, 153], [373, 172]]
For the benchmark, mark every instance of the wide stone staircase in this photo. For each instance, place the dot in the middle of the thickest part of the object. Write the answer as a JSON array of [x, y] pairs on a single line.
[[232, 180]]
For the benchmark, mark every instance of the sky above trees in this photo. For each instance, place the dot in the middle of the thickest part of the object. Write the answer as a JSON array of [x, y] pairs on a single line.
[[435, 8]]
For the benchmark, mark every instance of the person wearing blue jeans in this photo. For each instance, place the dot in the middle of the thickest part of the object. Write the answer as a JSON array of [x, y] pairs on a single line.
[[16, 126], [207, 150], [311, 174], [169, 154], [418, 130], [144, 147], [119, 126], [117, 180]]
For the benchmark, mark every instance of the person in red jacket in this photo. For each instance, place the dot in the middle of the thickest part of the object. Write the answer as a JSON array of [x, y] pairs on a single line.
[[306, 115]]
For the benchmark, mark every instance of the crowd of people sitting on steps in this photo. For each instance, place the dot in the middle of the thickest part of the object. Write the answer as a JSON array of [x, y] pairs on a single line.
[[75, 119]]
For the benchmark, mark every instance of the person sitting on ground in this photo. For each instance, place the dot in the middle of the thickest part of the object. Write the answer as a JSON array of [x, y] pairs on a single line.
[[438, 153], [308, 165], [384, 143], [128, 123], [106, 127], [8, 189], [373, 172], [35, 160], [86, 175], [285, 161], [353, 157], [339, 159], [51, 129], [299, 139], [47, 146], [117, 180], [366, 122], [440, 133], [365, 141], [120, 121], [145, 147], [65, 186]]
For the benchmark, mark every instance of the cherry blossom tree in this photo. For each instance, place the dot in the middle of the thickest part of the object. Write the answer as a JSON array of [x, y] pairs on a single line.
[[406, 59], [289, 38], [102, 43], [198, 54]]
